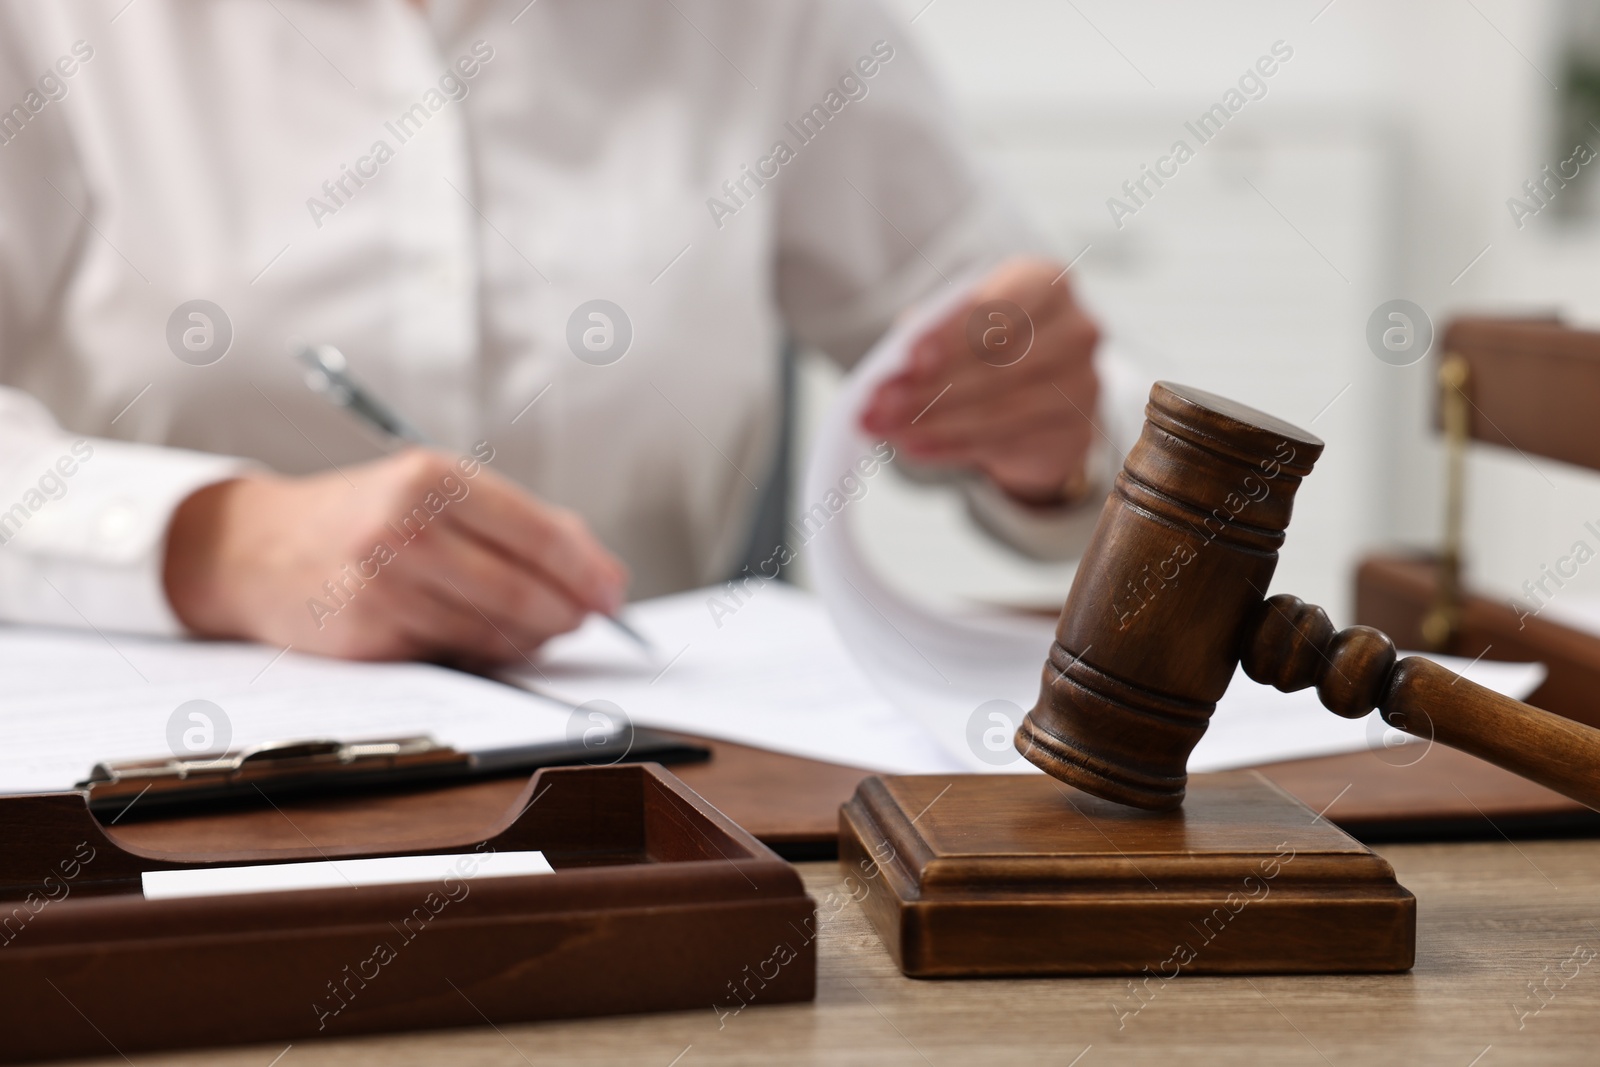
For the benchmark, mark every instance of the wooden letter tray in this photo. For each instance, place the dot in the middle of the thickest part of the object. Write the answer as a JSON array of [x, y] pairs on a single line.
[[658, 902]]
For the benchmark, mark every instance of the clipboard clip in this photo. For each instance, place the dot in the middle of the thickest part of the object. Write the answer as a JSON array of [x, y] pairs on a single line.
[[277, 764]]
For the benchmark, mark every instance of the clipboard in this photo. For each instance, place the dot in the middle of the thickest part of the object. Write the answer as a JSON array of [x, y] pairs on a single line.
[[658, 902], [141, 789]]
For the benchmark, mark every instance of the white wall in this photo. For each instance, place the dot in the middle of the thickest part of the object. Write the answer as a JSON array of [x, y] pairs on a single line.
[[1391, 141]]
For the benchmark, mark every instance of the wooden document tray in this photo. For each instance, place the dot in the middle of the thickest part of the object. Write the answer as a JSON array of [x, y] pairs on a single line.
[[988, 875], [658, 902]]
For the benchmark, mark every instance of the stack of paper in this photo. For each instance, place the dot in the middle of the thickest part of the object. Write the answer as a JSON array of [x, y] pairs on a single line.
[[73, 699], [770, 673]]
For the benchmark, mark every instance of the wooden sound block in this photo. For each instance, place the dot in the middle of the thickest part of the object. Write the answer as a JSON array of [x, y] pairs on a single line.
[[987, 875]]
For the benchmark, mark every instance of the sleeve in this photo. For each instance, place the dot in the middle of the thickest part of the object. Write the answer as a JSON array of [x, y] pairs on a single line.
[[82, 521], [1062, 533], [882, 204]]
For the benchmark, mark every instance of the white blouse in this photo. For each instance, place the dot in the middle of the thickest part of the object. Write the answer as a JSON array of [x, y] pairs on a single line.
[[444, 194]]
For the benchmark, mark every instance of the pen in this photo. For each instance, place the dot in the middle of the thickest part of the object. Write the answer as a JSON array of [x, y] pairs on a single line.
[[327, 373]]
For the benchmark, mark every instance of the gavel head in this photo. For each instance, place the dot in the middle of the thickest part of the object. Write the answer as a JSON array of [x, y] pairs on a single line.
[[1153, 627]]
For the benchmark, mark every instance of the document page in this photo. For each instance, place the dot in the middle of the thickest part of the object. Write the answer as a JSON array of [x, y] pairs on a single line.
[[72, 699], [761, 666]]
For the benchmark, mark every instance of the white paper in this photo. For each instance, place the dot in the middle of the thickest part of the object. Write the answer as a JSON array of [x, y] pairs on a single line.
[[72, 699], [1256, 724], [937, 667], [447, 871], [765, 669], [775, 675]]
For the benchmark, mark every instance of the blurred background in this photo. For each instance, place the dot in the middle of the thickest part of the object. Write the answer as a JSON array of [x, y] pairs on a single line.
[[1378, 165]]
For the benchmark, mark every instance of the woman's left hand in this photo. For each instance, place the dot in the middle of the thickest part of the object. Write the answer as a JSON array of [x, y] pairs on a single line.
[[1005, 385]]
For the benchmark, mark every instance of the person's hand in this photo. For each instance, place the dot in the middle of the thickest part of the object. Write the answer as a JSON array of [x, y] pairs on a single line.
[[416, 556], [978, 396]]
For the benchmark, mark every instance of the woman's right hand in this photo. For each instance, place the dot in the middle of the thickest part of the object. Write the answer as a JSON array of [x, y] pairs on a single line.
[[414, 556]]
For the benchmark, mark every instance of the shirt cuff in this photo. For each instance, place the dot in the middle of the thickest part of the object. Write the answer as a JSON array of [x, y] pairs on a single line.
[[83, 532], [1049, 534]]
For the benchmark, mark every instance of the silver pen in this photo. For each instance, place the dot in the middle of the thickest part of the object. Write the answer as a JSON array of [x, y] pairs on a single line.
[[327, 373]]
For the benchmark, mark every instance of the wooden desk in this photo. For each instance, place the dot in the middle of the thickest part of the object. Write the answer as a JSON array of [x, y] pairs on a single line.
[[1491, 918], [792, 804]]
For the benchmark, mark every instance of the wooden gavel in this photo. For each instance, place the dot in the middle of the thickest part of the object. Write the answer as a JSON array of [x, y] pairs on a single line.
[[1171, 596]]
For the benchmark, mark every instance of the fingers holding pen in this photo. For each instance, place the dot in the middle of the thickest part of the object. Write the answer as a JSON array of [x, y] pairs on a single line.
[[432, 557]]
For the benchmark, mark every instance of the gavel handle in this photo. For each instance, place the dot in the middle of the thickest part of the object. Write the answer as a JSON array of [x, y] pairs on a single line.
[[1292, 645], [1435, 703]]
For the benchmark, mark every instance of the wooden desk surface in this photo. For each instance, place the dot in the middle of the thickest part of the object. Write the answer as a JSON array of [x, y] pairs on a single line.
[[790, 803], [793, 804], [1492, 917]]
